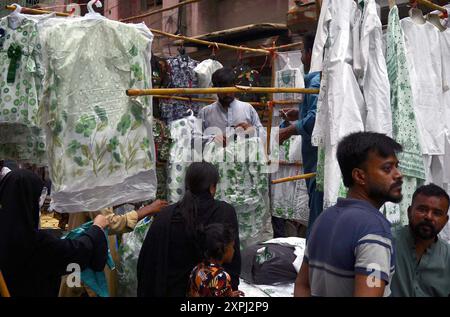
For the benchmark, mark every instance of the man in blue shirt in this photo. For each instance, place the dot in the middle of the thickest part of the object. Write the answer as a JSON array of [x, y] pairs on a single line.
[[350, 250], [306, 116]]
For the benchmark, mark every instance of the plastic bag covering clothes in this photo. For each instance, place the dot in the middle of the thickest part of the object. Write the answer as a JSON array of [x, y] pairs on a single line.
[[204, 72], [99, 141], [289, 73], [289, 199], [96, 281], [129, 254], [279, 290], [244, 184], [184, 133]]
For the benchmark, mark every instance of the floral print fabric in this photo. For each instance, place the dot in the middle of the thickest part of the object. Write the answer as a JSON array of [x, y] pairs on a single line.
[[245, 185], [182, 75], [99, 139]]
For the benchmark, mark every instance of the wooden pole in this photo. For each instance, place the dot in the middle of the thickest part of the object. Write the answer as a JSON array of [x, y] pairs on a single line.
[[3, 288], [36, 11], [216, 90], [431, 5], [207, 100], [269, 126], [160, 10], [212, 44], [293, 178], [282, 47]]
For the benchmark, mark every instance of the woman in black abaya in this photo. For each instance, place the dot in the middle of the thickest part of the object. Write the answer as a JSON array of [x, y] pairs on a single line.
[[170, 250], [32, 261]]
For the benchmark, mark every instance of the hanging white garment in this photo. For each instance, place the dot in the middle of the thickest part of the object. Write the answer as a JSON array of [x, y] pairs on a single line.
[[99, 141], [338, 87], [374, 78], [426, 69], [322, 37], [289, 73], [289, 200], [204, 72], [445, 50]]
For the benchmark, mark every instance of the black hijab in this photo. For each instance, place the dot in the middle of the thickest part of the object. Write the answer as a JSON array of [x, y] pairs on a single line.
[[20, 191]]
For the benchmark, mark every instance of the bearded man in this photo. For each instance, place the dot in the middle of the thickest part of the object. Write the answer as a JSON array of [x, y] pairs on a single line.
[[422, 259], [350, 250]]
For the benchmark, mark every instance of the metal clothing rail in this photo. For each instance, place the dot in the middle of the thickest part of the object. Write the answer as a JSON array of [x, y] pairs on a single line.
[[218, 90], [160, 10], [293, 178]]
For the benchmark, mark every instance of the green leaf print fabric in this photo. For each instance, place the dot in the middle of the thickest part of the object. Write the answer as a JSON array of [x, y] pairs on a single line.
[[100, 143], [21, 138], [245, 185], [403, 120], [403, 116], [182, 132]]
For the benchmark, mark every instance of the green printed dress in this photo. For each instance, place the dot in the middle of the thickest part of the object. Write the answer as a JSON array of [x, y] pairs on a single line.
[[100, 142], [21, 138]]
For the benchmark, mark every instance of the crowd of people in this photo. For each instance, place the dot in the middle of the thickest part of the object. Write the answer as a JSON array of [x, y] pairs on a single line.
[[192, 247]]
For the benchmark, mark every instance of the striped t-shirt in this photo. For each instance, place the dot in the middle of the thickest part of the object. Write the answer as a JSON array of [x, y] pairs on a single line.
[[351, 237]]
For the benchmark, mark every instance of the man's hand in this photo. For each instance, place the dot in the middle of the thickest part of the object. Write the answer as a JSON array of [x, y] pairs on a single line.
[[221, 140], [244, 125], [152, 209], [286, 133], [101, 221], [289, 114]]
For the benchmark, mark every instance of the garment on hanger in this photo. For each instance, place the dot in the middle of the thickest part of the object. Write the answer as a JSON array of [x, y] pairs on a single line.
[[289, 73], [289, 200], [21, 73], [373, 78], [338, 87], [100, 141], [182, 75], [426, 71], [445, 50], [161, 135], [246, 76], [403, 120], [244, 184], [204, 72], [184, 133]]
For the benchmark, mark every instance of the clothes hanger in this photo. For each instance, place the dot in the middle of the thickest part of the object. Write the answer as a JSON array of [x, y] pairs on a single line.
[[214, 48], [91, 13], [15, 17], [416, 16], [436, 21], [182, 51], [392, 4]]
